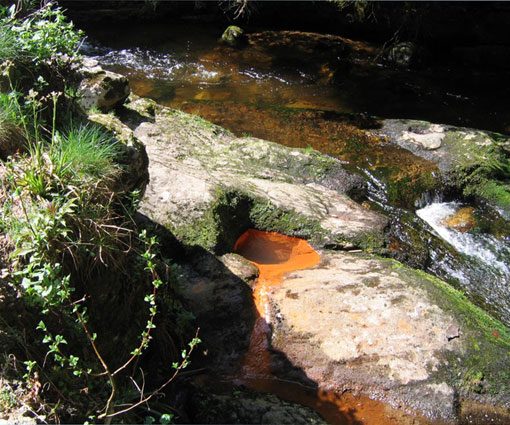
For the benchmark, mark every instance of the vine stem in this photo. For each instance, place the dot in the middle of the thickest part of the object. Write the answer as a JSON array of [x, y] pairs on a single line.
[[158, 390], [111, 379]]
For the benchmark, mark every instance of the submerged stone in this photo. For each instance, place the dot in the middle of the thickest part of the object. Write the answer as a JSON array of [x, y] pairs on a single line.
[[462, 220], [403, 54]]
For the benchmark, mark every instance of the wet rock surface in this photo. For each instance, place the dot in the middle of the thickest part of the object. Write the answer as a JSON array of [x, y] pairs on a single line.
[[234, 36], [474, 162], [462, 220]]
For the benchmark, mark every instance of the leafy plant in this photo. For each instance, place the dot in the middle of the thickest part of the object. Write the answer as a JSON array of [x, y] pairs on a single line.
[[66, 214], [43, 36]]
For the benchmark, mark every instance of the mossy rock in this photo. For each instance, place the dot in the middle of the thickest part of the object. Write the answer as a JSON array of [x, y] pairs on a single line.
[[234, 36], [233, 212], [476, 163], [398, 334], [207, 184]]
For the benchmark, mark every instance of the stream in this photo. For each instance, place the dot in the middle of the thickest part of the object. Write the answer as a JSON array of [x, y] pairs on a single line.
[[318, 100]]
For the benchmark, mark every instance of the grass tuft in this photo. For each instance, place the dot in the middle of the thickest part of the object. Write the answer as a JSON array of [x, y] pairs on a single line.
[[84, 152]]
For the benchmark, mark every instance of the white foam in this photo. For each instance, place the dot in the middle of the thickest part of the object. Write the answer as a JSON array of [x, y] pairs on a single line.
[[484, 247]]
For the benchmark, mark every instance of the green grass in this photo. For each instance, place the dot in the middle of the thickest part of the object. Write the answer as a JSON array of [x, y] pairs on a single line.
[[84, 152], [9, 50]]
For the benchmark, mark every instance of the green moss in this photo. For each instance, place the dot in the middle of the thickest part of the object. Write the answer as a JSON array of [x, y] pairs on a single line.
[[320, 164], [483, 168], [232, 212], [220, 225], [265, 216], [203, 233], [494, 192], [196, 122], [404, 191], [234, 36], [472, 316], [370, 241]]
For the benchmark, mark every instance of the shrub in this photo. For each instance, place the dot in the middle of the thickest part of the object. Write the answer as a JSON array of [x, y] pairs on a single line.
[[71, 237]]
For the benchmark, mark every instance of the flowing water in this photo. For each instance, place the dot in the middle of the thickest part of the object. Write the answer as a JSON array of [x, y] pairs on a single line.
[[176, 63], [302, 92], [488, 256]]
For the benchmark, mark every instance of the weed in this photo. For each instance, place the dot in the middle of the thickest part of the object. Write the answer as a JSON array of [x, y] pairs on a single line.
[[68, 220]]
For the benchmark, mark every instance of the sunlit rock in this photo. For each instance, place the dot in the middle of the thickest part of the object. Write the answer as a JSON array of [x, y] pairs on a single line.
[[234, 36], [100, 89], [462, 220]]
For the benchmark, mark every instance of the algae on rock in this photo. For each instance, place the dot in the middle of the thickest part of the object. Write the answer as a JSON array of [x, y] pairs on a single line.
[[474, 162]]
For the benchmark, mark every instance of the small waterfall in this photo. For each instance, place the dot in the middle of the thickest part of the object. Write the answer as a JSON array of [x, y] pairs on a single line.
[[485, 269], [487, 248]]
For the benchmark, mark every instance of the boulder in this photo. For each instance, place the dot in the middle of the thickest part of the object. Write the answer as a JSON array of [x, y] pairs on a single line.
[[474, 162], [373, 326], [244, 407], [207, 186], [462, 220], [135, 162], [100, 89], [218, 293], [403, 54]]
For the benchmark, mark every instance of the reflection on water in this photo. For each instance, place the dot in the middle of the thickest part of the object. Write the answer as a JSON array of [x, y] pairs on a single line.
[[181, 63]]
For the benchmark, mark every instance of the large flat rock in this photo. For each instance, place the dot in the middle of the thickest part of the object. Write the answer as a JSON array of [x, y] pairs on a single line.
[[360, 323], [202, 176]]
